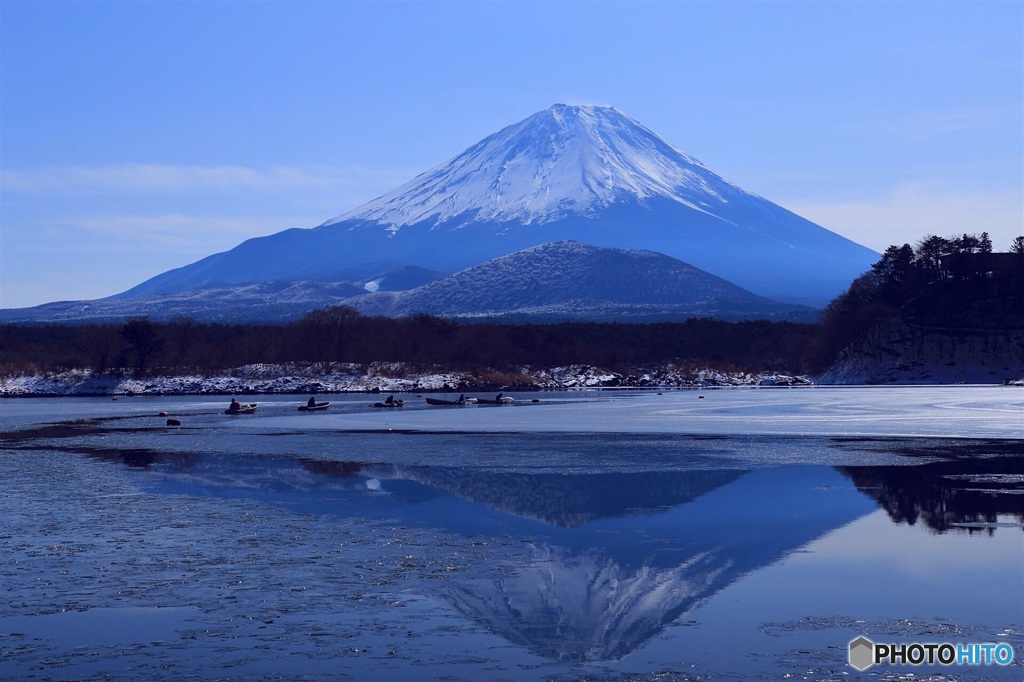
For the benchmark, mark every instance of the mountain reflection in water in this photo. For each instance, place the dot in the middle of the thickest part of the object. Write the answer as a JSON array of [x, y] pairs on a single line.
[[606, 560], [601, 590], [602, 562]]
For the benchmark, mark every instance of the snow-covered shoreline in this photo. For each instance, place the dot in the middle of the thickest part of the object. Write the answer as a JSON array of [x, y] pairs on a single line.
[[377, 377]]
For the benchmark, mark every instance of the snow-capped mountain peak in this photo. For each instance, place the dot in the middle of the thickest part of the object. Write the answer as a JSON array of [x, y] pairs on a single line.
[[561, 161], [584, 173]]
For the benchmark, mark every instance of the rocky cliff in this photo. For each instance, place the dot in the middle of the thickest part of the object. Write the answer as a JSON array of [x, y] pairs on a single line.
[[897, 351]]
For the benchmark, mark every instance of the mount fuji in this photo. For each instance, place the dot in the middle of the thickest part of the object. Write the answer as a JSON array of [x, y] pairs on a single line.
[[589, 174]]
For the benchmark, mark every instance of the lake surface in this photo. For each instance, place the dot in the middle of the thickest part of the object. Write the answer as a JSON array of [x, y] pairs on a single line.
[[723, 533]]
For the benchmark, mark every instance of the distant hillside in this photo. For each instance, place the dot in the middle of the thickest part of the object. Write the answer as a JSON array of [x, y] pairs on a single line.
[[949, 310], [548, 283], [259, 302], [568, 280]]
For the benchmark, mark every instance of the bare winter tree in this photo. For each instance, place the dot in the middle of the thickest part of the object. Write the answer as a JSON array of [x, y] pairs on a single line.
[[141, 337]]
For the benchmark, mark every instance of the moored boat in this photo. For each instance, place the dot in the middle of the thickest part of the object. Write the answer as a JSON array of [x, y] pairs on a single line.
[[500, 399], [461, 400]]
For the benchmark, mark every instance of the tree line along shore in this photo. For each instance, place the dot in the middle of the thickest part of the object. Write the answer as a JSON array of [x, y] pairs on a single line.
[[144, 347]]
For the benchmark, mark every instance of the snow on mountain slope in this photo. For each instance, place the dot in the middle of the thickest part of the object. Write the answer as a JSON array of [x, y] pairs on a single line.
[[562, 161]]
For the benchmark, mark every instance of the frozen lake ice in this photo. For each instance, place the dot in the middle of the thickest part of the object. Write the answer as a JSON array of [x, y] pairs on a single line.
[[981, 411], [751, 533]]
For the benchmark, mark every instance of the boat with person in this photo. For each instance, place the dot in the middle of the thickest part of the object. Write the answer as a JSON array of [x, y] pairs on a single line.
[[389, 402], [240, 408], [461, 400], [316, 407], [500, 399]]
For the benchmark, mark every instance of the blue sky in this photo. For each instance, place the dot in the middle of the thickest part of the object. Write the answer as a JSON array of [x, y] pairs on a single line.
[[136, 137]]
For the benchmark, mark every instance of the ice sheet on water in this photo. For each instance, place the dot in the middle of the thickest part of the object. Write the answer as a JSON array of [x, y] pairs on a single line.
[[565, 432], [942, 411]]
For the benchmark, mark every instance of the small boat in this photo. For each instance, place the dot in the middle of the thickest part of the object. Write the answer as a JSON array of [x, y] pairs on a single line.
[[313, 408], [500, 399], [461, 400], [389, 403], [243, 408]]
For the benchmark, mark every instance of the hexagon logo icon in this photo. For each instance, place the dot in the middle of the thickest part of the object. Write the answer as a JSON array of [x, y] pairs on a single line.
[[862, 653]]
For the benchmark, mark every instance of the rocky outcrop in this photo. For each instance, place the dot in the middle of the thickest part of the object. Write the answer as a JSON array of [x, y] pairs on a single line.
[[898, 352]]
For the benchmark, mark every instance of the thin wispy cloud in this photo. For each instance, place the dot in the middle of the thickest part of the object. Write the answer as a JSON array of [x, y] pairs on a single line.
[[113, 252], [184, 232], [936, 123], [144, 178], [912, 210]]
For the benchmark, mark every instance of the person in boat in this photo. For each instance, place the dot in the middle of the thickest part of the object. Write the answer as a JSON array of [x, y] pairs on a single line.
[[311, 402], [498, 397], [462, 398], [235, 406], [390, 400]]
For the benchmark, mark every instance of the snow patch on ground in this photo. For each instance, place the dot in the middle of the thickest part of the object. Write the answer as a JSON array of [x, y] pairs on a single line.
[[377, 377]]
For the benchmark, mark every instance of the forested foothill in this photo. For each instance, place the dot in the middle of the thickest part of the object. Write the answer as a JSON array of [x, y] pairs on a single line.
[[957, 284]]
